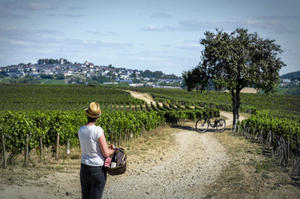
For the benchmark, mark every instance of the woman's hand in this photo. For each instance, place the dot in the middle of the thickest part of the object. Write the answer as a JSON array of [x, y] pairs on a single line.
[[112, 147]]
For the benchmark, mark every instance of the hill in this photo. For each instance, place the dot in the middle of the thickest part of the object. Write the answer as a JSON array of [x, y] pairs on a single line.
[[62, 71], [293, 75]]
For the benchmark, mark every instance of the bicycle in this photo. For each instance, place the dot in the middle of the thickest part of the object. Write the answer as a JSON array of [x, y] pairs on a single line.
[[202, 125]]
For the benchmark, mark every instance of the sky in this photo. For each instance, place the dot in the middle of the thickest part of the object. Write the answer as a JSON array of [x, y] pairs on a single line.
[[139, 34]]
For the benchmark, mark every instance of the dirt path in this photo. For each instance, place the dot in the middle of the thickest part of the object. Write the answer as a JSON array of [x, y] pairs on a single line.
[[229, 117], [195, 163], [142, 96]]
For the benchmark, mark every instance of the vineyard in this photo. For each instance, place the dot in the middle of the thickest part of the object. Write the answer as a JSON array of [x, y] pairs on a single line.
[[281, 134], [284, 105], [50, 116], [35, 117], [63, 97]]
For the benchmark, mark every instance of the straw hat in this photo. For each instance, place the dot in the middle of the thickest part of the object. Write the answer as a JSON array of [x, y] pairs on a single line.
[[93, 111]]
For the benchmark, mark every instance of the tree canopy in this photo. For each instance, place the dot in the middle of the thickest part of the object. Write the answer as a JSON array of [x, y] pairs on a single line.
[[236, 60]]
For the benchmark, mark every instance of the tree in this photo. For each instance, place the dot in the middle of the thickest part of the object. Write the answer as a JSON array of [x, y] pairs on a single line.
[[234, 61], [147, 73], [157, 74]]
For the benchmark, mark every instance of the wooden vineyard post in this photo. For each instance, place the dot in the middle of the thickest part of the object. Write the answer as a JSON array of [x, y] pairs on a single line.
[[131, 135], [244, 129], [125, 136], [4, 163], [143, 131], [119, 139], [57, 146], [26, 151], [68, 147], [41, 148], [295, 171]]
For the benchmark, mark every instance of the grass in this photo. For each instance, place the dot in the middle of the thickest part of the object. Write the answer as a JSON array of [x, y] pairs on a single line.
[[250, 173], [52, 82], [4, 80]]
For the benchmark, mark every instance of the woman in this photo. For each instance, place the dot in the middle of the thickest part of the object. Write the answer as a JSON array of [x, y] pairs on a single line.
[[94, 150]]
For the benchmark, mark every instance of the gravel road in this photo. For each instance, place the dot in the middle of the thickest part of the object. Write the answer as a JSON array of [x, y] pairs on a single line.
[[196, 162]]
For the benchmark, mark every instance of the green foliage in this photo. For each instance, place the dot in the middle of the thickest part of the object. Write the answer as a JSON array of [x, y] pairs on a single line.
[[282, 134], [59, 97], [289, 90], [117, 125], [263, 120], [234, 61], [286, 106], [237, 60]]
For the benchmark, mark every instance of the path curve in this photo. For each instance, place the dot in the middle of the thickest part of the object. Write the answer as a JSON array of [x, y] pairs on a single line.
[[229, 117]]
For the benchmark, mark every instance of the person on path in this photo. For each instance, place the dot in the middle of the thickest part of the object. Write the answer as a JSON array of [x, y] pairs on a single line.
[[94, 151]]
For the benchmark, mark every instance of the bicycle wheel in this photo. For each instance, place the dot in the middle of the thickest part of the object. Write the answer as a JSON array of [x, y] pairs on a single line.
[[221, 125], [201, 125]]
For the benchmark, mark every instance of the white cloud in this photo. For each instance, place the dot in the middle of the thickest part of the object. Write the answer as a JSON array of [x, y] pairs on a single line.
[[161, 15], [38, 6], [103, 33], [153, 28], [25, 5], [280, 18], [73, 15], [190, 47], [197, 25]]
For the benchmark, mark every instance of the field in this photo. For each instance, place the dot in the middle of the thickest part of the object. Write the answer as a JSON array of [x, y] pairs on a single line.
[[60, 97], [51, 115], [41, 122], [288, 106]]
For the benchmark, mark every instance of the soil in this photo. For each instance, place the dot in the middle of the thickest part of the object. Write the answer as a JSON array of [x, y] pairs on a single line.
[[142, 96], [169, 162], [248, 90]]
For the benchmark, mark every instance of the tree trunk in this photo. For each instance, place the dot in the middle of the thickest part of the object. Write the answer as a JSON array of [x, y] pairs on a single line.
[[235, 95], [237, 107]]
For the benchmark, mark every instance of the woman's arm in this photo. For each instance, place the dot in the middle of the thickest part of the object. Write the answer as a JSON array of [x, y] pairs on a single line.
[[106, 152]]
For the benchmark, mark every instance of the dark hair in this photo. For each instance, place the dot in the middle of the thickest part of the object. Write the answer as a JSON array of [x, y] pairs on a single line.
[[91, 120]]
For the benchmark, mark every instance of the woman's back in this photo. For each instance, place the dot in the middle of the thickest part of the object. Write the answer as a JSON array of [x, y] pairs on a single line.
[[90, 151]]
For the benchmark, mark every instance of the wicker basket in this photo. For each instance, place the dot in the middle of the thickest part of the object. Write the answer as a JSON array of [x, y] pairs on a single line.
[[121, 163]]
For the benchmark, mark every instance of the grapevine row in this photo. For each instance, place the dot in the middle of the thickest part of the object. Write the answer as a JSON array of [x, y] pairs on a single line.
[[36, 130], [282, 134], [288, 106]]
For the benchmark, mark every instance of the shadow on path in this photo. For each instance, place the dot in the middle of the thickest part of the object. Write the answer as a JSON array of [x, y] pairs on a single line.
[[211, 130]]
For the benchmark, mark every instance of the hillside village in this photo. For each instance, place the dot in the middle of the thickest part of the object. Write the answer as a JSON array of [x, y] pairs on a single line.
[[88, 73], [62, 71]]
